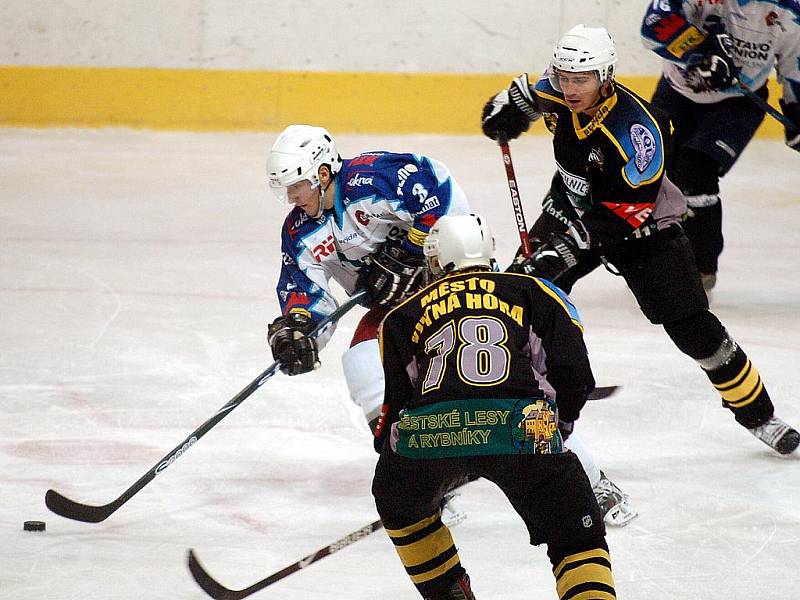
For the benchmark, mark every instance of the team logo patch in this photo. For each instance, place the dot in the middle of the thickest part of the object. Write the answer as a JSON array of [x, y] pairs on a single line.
[[644, 146], [551, 121], [535, 427]]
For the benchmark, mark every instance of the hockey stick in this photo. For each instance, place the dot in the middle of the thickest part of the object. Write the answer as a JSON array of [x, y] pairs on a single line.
[[603, 391], [61, 505], [765, 106], [218, 591], [599, 392], [519, 216]]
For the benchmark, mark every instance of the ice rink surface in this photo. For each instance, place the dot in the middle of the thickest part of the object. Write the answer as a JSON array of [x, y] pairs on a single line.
[[138, 273]]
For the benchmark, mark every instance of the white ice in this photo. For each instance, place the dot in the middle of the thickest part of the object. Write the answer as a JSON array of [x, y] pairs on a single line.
[[138, 274]]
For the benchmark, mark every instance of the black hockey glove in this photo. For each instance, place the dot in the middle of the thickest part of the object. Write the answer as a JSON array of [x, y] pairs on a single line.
[[565, 428], [391, 274], [509, 114], [711, 67], [557, 255], [291, 345], [791, 110]]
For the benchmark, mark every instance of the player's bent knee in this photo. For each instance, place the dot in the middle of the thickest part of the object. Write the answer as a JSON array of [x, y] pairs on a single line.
[[699, 335]]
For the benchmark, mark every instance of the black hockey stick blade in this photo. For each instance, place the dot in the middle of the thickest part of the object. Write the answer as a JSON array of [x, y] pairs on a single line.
[[219, 592], [603, 391], [63, 506]]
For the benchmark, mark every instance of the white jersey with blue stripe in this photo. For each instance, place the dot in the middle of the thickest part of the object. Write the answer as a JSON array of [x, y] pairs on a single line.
[[765, 34], [379, 195]]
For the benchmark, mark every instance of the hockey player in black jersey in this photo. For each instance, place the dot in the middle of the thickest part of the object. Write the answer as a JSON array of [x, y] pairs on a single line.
[[485, 373], [610, 202]]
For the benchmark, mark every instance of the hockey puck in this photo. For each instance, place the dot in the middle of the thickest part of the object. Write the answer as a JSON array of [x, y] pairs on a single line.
[[33, 526]]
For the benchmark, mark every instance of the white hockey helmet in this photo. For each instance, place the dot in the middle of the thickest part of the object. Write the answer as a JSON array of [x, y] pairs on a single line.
[[457, 242], [297, 155], [584, 49]]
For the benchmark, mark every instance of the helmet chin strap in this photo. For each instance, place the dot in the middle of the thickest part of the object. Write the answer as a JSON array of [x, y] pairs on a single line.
[[322, 193]]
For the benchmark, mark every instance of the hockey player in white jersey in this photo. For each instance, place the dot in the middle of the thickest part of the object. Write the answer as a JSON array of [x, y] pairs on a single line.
[[709, 48], [362, 222]]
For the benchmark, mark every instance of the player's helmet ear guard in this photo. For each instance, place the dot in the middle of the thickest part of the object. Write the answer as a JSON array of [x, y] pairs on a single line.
[[458, 242], [584, 49], [297, 154]]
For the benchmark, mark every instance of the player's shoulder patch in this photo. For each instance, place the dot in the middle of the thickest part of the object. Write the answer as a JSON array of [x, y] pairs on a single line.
[[644, 146], [637, 134]]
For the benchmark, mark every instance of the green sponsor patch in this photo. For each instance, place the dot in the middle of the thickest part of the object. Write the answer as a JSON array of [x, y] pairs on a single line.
[[480, 427]]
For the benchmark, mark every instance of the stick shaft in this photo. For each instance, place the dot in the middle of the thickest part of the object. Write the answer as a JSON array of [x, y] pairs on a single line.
[[87, 513], [516, 203], [219, 592], [765, 106]]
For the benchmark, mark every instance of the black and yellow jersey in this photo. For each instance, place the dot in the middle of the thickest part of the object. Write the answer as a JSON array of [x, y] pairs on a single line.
[[483, 335], [611, 165]]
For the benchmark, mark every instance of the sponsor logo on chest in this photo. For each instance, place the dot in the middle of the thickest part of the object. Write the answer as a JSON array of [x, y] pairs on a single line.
[[325, 248], [575, 184], [358, 180]]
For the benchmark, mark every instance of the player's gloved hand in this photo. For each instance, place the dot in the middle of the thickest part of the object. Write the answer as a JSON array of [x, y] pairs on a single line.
[[291, 345], [556, 255], [391, 274], [509, 114], [565, 428], [710, 66], [791, 110]]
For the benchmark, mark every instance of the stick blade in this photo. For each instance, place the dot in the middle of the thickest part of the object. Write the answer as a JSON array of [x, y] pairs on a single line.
[[604, 391], [210, 586], [63, 506]]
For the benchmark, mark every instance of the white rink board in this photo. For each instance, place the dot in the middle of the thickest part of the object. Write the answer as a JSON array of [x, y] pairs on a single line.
[[450, 36]]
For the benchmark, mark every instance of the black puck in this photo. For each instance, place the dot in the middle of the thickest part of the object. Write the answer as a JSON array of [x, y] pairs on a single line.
[[33, 526]]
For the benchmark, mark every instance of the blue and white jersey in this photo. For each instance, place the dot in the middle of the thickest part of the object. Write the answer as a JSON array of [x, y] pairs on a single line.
[[765, 34], [379, 195]]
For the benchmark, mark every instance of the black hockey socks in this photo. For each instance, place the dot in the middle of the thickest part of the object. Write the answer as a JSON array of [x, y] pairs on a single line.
[[738, 382], [585, 575], [429, 556]]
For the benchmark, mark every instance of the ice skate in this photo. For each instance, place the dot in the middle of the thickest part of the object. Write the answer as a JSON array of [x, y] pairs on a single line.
[[614, 505], [778, 435], [452, 512]]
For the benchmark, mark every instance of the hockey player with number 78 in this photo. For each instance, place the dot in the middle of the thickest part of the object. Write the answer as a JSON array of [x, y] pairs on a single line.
[[362, 222], [485, 372]]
